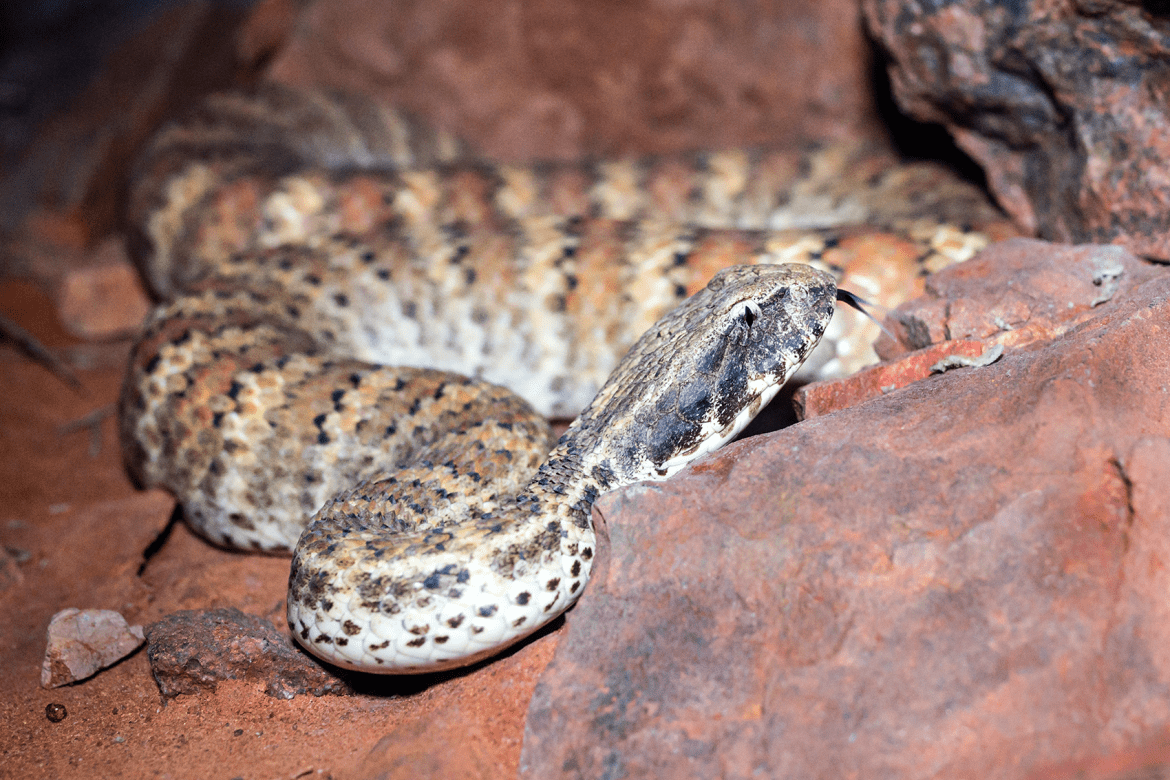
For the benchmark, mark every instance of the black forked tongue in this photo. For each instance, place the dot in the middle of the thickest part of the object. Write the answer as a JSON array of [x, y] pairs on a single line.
[[859, 303]]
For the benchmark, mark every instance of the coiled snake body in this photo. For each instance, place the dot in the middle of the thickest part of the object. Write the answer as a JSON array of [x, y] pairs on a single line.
[[307, 243]]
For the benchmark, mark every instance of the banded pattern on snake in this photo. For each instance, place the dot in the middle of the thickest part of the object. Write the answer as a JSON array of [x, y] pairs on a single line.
[[307, 244]]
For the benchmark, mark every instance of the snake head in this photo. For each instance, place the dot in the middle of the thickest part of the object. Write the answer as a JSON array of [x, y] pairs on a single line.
[[698, 377]]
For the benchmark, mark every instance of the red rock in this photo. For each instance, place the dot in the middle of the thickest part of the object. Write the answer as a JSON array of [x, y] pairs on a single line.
[[1061, 103], [1149, 760], [817, 398], [556, 79], [963, 578], [1015, 293]]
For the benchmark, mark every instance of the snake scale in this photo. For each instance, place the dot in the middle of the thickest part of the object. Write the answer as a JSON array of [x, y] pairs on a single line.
[[363, 325]]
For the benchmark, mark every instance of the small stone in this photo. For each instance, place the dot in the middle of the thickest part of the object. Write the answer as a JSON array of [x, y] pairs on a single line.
[[192, 651], [56, 712], [82, 642]]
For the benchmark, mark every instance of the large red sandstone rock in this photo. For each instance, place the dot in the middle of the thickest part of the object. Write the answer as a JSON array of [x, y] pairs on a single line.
[[557, 78], [1000, 299], [1063, 104], [963, 578]]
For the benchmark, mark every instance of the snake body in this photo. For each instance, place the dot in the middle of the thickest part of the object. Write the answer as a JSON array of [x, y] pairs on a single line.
[[308, 245]]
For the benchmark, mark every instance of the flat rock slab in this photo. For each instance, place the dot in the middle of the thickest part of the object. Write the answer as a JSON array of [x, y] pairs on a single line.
[[963, 578]]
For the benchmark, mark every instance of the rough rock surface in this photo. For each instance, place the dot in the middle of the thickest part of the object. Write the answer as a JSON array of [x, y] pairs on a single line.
[[558, 79], [192, 651], [1001, 298], [83, 642], [963, 578], [1063, 104], [1006, 297]]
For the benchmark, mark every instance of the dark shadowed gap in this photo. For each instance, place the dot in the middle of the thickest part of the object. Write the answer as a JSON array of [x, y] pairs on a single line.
[[916, 140]]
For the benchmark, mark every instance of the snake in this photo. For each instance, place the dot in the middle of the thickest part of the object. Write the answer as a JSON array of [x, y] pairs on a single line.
[[363, 327]]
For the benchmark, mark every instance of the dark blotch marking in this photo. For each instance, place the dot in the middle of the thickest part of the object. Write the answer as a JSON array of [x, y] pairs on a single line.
[[523, 598], [422, 640]]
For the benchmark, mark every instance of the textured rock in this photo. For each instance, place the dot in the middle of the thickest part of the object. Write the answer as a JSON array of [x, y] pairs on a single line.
[[1015, 293], [192, 651], [550, 78], [1148, 761], [963, 578], [819, 398], [81, 643], [1063, 104]]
